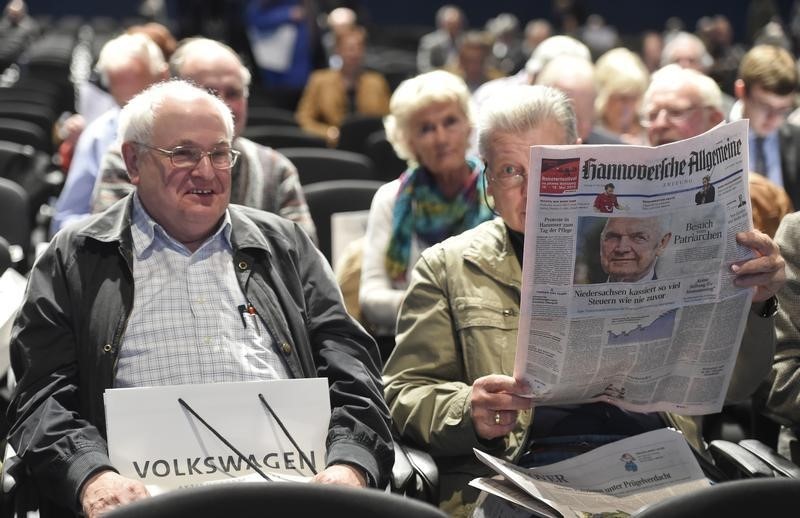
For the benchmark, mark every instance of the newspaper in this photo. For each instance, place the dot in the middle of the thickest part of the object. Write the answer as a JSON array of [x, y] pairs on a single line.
[[627, 294], [618, 478]]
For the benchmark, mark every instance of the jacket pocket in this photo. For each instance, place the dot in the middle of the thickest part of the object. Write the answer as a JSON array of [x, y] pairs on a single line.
[[488, 332]]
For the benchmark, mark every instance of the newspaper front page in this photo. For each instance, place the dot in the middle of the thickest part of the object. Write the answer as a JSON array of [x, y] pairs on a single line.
[[627, 293], [618, 478]]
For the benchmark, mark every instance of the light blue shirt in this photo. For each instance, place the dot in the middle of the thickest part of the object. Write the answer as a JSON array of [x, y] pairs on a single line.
[[772, 156], [74, 202], [185, 326]]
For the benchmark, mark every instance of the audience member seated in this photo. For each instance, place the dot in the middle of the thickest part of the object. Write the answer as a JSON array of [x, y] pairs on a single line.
[[80, 329], [651, 47], [448, 382], [554, 46], [93, 99], [339, 20], [536, 31], [440, 47], [689, 51], [438, 196], [574, 76], [333, 94], [783, 400], [474, 65], [508, 55], [621, 79], [128, 64], [17, 23], [766, 89], [262, 178]]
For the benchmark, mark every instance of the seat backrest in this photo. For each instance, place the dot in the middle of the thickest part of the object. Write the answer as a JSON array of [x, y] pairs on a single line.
[[24, 132], [282, 137], [355, 130], [41, 115], [388, 165], [14, 222], [327, 198], [320, 165], [270, 116], [739, 498], [277, 499]]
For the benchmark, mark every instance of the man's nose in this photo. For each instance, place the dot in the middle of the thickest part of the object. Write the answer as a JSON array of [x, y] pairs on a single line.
[[204, 168]]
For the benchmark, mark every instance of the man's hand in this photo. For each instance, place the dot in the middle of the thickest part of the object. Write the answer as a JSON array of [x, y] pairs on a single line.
[[342, 474], [766, 272], [495, 404], [106, 490]]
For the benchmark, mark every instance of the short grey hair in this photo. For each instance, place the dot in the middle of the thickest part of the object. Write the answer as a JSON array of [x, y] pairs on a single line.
[[442, 12], [117, 52], [193, 46], [686, 38], [520, 108], [418, 93], [673, 76], [553, 47], [137, 118]]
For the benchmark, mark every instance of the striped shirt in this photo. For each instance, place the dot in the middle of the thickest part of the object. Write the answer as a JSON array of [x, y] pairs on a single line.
[[186, 326]]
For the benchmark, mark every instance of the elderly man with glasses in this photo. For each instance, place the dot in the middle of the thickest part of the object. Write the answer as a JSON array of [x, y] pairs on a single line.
[[261, 178], [146, 294]]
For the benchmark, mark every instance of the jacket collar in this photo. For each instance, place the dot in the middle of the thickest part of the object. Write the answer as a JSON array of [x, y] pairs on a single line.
[[494, 255], [114, 226]]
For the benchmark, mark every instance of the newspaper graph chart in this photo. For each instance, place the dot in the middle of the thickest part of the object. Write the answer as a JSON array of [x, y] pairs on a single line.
[[658, 329]]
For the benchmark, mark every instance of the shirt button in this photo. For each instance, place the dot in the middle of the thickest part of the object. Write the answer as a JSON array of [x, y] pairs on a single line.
[[201, 300], [286, 348], [207, 340]]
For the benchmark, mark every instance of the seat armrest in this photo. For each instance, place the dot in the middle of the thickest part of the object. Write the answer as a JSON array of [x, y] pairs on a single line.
[[736, 462], [415, 474], [779, 464]]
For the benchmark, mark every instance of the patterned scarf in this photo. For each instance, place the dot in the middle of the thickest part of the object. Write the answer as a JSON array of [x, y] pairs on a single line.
[[422, 210]]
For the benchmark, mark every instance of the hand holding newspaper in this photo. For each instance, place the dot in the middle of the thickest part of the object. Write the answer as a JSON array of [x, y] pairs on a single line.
[[635, 308], [617, 478]]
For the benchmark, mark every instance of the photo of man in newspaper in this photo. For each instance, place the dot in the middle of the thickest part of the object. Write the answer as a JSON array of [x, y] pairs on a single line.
[[630, 247], [706, 193]]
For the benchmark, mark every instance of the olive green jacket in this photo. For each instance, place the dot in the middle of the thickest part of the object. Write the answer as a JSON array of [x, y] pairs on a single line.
[[458, 322]]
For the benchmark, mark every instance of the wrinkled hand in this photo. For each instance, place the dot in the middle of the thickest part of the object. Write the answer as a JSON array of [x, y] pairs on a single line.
[[341, 474], [766, 272], [496, 396], [107, 490]]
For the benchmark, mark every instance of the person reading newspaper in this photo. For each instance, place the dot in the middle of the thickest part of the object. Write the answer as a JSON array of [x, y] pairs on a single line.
[[448, 382]]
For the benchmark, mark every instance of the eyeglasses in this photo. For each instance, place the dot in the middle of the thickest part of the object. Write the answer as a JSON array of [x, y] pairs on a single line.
[[229, 94], [767, 109], [508, 177], [187, 157], [673, 115]]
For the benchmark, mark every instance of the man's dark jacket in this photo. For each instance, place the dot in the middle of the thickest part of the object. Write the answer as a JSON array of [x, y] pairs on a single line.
[[66, 340], [789, 137]]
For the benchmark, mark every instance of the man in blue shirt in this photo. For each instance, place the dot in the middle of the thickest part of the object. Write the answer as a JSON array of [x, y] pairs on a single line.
[[128, 64]]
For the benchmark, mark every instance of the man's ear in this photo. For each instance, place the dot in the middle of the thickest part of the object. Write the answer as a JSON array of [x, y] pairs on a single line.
[[662, 245], [130, 154], [739, 89]]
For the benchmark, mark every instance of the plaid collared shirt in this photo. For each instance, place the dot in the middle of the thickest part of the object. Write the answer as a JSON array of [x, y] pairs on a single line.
[[186, 326]]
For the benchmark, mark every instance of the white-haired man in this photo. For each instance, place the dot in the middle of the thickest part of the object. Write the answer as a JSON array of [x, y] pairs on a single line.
[[81, 330], [127, 65], [262, 178]]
